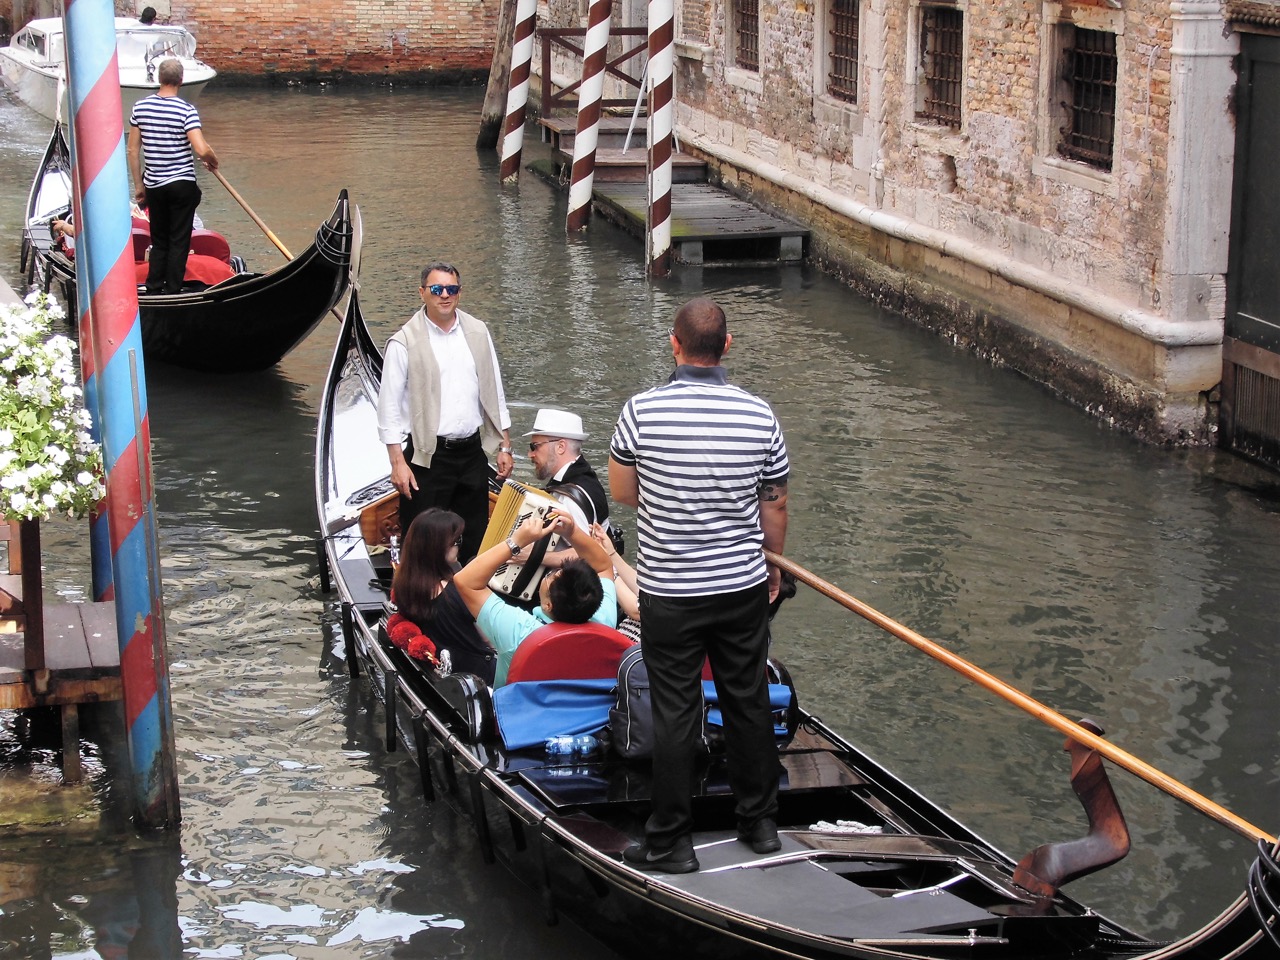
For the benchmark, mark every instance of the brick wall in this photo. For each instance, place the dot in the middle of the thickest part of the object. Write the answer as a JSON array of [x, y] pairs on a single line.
[[444, 40]]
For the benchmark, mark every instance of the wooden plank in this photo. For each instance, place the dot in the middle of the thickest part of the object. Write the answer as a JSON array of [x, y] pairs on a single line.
[[65, 646], [62, 690], [99, 621]]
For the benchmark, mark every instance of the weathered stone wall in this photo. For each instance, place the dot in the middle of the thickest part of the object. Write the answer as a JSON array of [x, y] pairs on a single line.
[[997, 186], [442, 40]]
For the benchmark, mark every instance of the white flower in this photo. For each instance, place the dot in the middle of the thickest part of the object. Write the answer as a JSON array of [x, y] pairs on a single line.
[[48, 461]]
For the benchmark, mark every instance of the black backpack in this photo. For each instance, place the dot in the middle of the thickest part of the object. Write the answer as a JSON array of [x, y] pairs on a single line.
[[631, 717]]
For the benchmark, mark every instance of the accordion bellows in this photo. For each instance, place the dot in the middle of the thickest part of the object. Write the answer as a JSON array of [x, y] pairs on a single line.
[[516, 503]]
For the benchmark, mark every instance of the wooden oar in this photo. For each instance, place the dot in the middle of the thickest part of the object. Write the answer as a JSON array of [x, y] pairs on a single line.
[[256, 219], [1032, 706]]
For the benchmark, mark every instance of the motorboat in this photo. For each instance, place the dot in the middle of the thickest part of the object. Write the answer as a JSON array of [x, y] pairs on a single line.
[[34, 63]]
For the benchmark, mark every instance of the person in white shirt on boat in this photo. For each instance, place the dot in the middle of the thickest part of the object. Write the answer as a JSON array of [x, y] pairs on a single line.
[[442, 393]]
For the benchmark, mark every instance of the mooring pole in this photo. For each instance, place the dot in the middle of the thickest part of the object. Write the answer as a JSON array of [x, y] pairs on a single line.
[[108, 305], [661, 119], [102, 586], [587, 135], [518, 89]]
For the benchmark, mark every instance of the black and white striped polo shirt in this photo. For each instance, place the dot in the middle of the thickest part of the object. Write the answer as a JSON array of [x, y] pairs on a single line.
[[166, 151], [701, 447]]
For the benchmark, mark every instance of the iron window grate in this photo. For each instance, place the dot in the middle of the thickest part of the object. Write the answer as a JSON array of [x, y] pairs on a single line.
[[842, 81], [942, 61], [747, 22], [1089, 135]]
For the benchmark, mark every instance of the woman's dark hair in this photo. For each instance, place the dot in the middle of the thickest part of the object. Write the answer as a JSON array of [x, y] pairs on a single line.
[[576, 593], [424, 565]]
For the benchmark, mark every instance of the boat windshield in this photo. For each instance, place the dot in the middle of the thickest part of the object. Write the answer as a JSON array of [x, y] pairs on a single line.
[[140, 46]]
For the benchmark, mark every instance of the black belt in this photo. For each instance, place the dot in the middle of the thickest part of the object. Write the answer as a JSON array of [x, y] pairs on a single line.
[[454, 443]]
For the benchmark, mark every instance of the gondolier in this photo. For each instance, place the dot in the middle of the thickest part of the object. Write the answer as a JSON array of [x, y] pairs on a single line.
[[442, 392], [165, 132], [706, 464]]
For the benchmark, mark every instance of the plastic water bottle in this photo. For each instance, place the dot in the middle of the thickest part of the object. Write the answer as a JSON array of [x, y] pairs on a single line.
[[582, 745], [559, 746]]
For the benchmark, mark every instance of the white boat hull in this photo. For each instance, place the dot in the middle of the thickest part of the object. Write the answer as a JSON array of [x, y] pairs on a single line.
[[39, 80]]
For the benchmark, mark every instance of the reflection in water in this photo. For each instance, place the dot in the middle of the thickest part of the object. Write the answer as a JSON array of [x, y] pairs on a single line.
[[1109, 579]]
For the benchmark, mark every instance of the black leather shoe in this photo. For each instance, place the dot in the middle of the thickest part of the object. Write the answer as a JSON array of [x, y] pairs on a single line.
[[678, 858], [761, 836]]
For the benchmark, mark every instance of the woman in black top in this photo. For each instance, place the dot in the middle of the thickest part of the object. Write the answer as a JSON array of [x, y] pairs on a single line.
[[423, 592]]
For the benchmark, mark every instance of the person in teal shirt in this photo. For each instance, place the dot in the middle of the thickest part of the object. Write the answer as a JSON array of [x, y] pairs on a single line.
[[580, 591]]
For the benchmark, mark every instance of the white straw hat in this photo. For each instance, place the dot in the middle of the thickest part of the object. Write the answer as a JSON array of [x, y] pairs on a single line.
[[558, 423]]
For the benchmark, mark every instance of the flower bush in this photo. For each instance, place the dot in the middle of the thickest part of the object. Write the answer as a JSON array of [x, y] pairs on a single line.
[[48, 462]]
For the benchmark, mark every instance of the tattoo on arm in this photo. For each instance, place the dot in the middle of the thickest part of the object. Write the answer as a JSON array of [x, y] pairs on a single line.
[[772, 491]]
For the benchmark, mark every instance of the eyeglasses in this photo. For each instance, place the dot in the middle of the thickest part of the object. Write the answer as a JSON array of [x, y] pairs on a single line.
[[440, 289], [535, 446]]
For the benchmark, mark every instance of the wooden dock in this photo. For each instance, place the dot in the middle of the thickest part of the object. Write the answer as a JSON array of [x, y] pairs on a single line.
[[709, 225], [52, 654]]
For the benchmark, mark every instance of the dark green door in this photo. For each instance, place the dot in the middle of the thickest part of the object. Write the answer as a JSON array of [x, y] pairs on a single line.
[[1250, 415]]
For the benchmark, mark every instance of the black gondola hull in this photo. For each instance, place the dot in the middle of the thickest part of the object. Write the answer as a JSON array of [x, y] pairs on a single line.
[[926, 888], [244, 324]]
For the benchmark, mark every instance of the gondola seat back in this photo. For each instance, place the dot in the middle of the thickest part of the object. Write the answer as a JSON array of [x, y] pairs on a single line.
[[569, 651], [210, 244], [141, 242]]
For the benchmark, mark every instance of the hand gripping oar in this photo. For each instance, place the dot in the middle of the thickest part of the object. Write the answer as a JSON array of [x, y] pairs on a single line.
[[256, 219], [1019, 699]]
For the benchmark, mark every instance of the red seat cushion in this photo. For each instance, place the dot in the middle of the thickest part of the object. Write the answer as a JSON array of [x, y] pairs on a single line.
[[569, 651]]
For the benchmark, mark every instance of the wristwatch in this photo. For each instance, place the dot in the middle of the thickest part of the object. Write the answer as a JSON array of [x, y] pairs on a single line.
[[514, 547]]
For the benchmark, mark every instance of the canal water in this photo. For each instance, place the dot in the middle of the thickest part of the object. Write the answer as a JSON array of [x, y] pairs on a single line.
[[1103, 577]]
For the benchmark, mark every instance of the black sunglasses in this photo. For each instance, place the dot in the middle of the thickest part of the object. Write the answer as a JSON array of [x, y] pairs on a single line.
[[440, 289], [534, 446]]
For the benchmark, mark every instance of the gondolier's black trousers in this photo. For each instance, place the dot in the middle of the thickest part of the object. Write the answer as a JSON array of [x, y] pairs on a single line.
[[732, 630], [172, 210], [457, 480]]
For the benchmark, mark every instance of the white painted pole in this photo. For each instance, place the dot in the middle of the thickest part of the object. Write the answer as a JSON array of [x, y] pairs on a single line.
[[518, 89], [661, 116], [587, 136]]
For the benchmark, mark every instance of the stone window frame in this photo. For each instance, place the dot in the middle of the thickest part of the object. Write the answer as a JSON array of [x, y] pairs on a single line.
[[750, 80], [1058, 21], [916, 68], [825, 47]]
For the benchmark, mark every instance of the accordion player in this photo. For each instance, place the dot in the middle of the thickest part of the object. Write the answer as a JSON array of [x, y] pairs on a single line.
[[515, 504]]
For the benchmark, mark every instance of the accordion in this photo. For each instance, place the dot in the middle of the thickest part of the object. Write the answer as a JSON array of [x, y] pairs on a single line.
[[515, 504]]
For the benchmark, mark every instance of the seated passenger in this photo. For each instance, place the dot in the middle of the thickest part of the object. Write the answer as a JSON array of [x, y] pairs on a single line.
[[578, 592], [624, 583], [427, 602]]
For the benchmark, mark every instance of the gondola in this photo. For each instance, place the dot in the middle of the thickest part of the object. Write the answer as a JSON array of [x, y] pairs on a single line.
[[244, 323], [900, 879]]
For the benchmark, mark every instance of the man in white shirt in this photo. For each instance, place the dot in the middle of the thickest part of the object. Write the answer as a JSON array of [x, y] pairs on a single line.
[[442, 393]]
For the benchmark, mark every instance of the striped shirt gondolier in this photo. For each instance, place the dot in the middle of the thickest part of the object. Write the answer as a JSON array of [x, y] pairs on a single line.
[[164, 123], [702, 448]]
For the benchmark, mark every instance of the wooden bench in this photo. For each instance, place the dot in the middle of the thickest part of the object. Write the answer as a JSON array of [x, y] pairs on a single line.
[[55, 654]]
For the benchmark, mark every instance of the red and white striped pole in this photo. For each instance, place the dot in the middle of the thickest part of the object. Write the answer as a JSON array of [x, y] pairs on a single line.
[[518, 89], [110, 299], [661, 108], [587, 136]]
